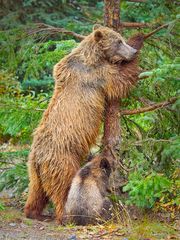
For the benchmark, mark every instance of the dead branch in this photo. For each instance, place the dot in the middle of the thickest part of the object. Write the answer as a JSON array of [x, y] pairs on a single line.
[[150, 108], [134, 25], [137, 1], [41, 27], [152, 140], [156, 30], [109, 233]]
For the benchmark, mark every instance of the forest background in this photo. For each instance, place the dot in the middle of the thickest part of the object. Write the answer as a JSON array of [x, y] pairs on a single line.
[[30, 47]]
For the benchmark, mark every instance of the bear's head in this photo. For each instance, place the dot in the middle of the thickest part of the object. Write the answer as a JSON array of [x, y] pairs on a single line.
[[114, 47]]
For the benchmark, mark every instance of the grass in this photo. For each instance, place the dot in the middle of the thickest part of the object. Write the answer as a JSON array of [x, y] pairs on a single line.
[[145, 228], [10, 215], [152, 229]]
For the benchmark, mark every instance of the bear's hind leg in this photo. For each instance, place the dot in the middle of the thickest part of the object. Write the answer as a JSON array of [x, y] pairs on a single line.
[[37, 198]]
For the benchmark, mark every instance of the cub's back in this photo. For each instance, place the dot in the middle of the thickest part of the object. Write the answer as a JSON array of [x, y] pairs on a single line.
[[84, 201]]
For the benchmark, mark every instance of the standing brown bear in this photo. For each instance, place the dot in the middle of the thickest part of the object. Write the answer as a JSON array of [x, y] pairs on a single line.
[[72, 120]]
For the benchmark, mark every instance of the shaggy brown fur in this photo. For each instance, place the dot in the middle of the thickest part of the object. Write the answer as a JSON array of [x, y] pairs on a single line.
[[87, 202], [72, 120], [130, 70]]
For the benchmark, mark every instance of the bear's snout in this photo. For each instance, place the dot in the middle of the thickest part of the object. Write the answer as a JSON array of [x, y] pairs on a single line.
[[130, 52]]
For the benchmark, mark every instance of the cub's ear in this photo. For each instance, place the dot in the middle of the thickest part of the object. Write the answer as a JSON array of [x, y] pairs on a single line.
[[105, 165], [98, 35], [84, 172], [97, 26]]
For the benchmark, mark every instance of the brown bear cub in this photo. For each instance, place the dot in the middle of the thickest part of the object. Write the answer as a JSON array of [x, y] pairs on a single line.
[[87, 201], [70, 125]]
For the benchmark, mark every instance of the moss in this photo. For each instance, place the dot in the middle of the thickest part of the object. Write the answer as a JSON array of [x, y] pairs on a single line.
[[150, 229], [10, 215]]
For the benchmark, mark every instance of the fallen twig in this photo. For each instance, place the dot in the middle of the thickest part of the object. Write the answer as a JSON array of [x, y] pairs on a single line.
[[108, 233]]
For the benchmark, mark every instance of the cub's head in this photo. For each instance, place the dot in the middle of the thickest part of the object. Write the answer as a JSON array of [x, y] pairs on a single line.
[[113, 45], [97, 170], [105, 167]]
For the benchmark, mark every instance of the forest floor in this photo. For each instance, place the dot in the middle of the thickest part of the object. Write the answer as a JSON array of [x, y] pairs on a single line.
[[14, 225], [143, 226]]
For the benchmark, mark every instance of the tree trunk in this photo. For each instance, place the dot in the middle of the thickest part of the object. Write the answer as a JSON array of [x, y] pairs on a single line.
[[111, 138], [112, 14]]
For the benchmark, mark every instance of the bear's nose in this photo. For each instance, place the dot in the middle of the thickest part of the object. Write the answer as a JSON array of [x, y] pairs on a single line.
[[134, 50]]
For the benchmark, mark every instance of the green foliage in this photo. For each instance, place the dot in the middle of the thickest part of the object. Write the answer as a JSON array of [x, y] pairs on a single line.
[[22, 117], [13, 173], [76, 15], [151, 144], [15, 178], [21, 113], [38, 86], [41, 58], [170, 155], [36, 59], [41, 4], [7, 157], [150, 141], [152, 11], [145, 191], [2, 207]]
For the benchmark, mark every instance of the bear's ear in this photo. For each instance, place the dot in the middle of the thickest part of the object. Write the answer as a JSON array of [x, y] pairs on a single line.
[[97, 26], [105, 165], [98, 35]]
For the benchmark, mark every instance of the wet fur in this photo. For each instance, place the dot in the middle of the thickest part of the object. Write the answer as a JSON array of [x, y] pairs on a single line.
[[87, 201], [72, 120]]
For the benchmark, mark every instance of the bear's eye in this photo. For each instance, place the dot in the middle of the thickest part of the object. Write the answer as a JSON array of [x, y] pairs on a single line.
[[119, 41]]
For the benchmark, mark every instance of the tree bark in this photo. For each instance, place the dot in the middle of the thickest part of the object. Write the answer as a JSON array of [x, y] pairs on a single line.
[[112, 14], [112, 131], [134, 25]]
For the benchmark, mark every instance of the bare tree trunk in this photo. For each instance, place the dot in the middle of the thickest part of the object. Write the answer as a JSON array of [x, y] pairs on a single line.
[[111, 138], [112, 14]]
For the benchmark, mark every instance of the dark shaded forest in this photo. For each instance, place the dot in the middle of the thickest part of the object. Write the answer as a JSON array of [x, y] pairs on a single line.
[[34, 36]]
